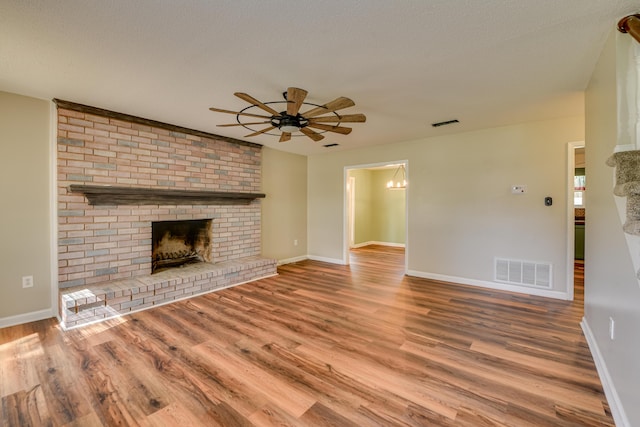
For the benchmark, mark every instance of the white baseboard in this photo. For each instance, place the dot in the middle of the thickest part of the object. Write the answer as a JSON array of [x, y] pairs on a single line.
[[360, 245], [292, 260], [33, 316], [335, 260], [617, 410], [373, 242], [491, 285], [329, 260]]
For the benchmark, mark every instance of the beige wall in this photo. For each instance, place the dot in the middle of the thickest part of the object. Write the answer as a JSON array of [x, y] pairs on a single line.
[[461, 213], [25, 217], [284, 209], [379, 213], [363, 231], [388, 209], [611, 287]]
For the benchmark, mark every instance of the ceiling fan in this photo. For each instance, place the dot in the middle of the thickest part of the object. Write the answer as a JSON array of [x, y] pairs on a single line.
[[322, 117]]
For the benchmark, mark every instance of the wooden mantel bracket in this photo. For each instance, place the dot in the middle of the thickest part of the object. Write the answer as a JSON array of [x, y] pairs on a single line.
[[630, 24], [107, 195]]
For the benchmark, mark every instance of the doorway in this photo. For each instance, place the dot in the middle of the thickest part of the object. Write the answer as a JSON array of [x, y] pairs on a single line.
[[579, 201], [576, 207], [375, 214]]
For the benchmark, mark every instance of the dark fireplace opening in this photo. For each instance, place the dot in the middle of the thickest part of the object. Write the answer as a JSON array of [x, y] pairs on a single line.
[[177, 243]]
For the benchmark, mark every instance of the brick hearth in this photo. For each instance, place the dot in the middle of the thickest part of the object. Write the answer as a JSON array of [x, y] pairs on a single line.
[[82, 305], [102, 246]]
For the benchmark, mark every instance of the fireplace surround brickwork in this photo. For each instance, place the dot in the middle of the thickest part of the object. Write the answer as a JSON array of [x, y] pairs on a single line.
[[105, 247], [103, 243]]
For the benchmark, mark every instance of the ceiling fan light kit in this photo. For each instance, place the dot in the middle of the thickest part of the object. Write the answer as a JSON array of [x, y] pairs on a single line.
[[324, 117]]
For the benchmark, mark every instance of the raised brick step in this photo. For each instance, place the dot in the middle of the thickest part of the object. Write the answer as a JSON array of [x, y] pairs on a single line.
[[81, 305]]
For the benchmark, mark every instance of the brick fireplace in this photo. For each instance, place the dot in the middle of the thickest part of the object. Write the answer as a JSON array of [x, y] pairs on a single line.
[[103, 243]]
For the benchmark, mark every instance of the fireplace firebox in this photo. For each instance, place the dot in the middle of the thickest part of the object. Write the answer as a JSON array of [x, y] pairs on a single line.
[[177, 243]]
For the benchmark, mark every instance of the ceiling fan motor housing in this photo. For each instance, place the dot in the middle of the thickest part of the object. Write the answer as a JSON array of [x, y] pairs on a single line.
[[289, 123]]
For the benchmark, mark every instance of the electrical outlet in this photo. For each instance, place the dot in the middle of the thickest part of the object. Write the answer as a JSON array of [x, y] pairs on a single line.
[[612, 328], [27, 281], [295, 242]]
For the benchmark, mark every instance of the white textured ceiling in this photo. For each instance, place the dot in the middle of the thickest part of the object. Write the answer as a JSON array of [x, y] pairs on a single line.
[[406, 64]]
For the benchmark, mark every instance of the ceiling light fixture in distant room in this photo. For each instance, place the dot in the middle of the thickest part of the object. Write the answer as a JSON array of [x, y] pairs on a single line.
[[399, 179]]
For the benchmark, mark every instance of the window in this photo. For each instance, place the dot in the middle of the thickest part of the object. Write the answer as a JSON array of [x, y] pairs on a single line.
[[579, 188]]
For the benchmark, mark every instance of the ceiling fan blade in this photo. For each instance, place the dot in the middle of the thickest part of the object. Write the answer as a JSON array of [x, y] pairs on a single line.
[[347, 118], [219, 110], [260, 131], [295, 98], [244, 124], [251, 100], [286, 136], [311, 134], [329, 107], [336, 129]]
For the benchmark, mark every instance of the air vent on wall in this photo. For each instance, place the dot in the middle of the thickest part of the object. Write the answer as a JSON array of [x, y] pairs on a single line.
[[519, 272]]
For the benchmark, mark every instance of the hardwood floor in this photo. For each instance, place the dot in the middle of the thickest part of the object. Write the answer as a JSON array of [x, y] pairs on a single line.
[[578, 282], [318, 345]]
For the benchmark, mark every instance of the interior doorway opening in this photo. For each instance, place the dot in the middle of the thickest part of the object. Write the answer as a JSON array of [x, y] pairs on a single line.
[[576, 218], [374, 213]]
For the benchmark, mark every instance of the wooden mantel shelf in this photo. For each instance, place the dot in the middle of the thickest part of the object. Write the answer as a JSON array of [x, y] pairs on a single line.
[[107, 195]]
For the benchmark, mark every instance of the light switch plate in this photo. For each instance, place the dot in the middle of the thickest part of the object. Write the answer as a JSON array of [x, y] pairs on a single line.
[[518, 189]]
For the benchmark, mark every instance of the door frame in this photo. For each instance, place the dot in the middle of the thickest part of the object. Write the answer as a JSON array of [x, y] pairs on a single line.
[[346, 202], [571, 249], [351, 199]]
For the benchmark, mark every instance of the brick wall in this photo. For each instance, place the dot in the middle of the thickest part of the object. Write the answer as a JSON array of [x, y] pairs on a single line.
[[101, 243]]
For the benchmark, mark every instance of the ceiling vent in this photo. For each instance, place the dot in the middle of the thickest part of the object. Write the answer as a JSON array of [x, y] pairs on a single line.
[[331, 145], [447, 122], [519, 272]]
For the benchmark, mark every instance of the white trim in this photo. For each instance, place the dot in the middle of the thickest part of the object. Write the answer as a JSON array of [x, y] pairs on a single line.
[[490, 285], [624, 147], [33, 316], [406, 217], [333, 260], [119, 315], [345, 218], [571, 217], [351, 210], [292, 260], [373, 242], [53, 208], [329, 260], [617, 410], [628, 93]]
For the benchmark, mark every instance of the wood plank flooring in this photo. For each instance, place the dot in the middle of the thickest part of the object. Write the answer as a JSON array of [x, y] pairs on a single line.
[[318, 345]]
